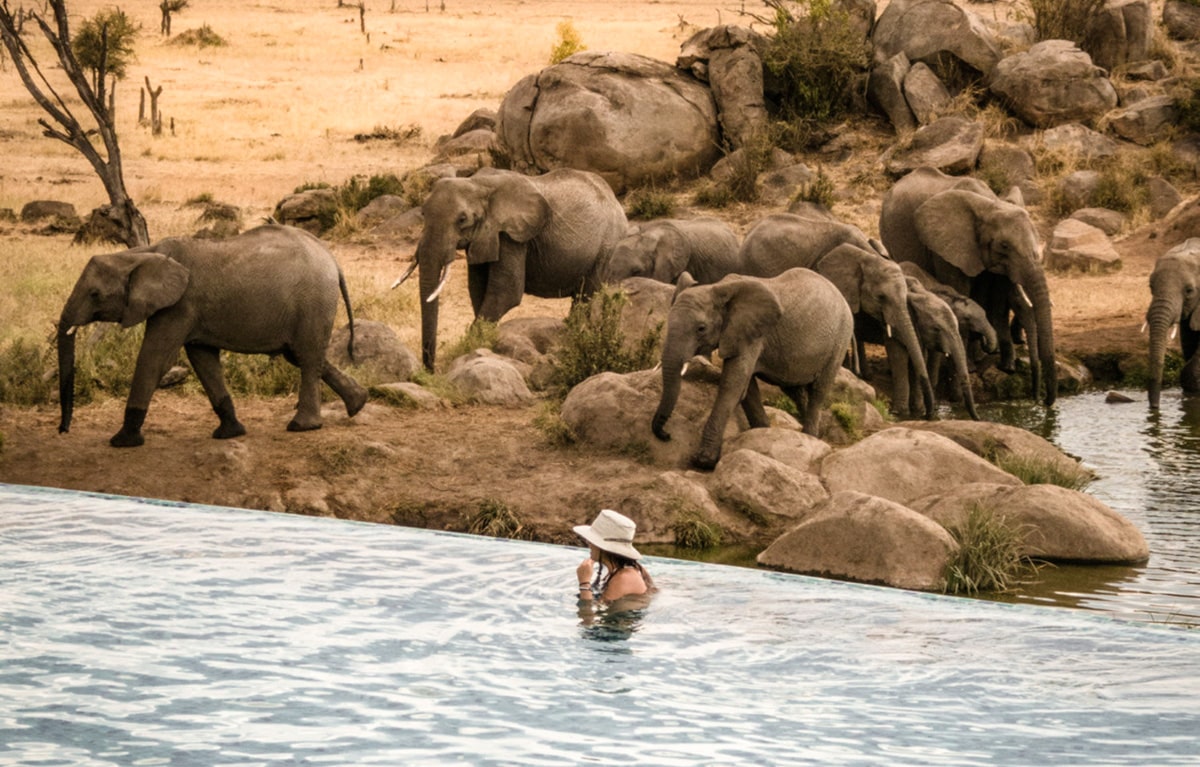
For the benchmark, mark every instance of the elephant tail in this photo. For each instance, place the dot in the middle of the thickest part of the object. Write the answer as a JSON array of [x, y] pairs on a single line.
[[349, 312]]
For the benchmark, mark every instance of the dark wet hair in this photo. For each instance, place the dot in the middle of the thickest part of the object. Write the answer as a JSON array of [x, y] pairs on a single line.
[[606, 571]]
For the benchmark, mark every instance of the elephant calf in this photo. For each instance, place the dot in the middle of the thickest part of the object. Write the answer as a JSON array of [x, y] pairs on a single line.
[[271, 290], [792, 331]]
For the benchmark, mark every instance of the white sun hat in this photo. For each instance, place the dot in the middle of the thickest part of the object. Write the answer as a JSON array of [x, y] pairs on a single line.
[[611, 532]]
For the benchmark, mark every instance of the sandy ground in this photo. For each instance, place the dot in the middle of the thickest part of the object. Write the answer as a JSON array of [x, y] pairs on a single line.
[[278, 107]]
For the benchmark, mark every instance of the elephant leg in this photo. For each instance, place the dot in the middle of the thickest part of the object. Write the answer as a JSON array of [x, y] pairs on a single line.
[[353, 394], [206, 361], [808, 405], [477, 282], [308, 409], [1189, 377], [505, 283], [753, 408], [159, 348], [735, 377]]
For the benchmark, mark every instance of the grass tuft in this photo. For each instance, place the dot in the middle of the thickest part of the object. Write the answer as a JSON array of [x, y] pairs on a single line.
[[568, 44], [692, 530], [989, 556], [553, 428], [495, 519], [649, 203], [1033, 470], [480, 334]]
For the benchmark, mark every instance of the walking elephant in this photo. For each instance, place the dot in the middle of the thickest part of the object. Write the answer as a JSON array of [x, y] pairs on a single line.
[[983, 246], [705, 248], [271, 290], [792, 331], [1175, 302], [545, 236]]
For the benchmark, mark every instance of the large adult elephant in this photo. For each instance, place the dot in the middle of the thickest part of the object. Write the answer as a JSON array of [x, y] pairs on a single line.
[[544, 236], [271, 290], [783, 241], [1175, 302], [877, 292], [663, 249], [985, 247], [792, 331]]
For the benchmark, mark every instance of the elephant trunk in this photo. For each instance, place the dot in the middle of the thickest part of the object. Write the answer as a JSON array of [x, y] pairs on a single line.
[[904, 331], [672, 382], [66, 375], [1039, 296], [434, 261], [958, 356], [1162, 315]]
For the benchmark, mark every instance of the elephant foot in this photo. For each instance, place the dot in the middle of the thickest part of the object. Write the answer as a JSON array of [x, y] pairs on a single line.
[[297, 425], [356, 401], [229, 430], [705, 462], [130, 434]]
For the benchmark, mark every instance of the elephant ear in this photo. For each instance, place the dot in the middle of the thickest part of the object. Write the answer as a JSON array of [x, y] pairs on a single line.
[[670, 255], [947, 224], [516, 208], [749, 307], [685, 281], [155, 282], [843, 266]]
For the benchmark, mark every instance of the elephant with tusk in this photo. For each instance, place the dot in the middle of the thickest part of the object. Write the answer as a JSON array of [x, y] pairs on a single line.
[[792, 331], [1175, 308], [271, 290], [545, 236]]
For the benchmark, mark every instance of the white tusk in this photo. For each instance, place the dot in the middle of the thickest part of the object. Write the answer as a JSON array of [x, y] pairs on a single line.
[[683, 371], [1024, 296], [888, 328], [1144, 326], [1174, 330], [71, 330], [441, 284], [407, 273]]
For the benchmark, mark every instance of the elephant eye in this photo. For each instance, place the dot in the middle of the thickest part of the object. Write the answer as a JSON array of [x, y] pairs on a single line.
[[462, 219], [702, 328]]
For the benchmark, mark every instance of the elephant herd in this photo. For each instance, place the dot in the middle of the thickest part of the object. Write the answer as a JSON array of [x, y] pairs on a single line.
[[798, 296]]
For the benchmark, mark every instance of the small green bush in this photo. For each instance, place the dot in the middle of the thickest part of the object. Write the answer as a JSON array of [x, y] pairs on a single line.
[[989, 556], [649, 203], [1038, 471], [569, 42], [495, 519], [820, 190], [260, 375], [593, 342], [480, 334], [692, 530], [550, 423], [107, 37], [1062, 19], [203, 37], [24, 369]]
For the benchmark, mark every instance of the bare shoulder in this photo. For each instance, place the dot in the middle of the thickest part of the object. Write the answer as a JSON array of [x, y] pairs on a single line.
[[625, 582]]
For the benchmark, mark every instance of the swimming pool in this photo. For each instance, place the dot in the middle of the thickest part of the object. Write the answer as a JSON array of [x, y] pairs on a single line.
[[151, 633]]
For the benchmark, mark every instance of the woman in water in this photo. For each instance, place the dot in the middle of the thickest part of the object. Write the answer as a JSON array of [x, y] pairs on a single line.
[[612, 570]]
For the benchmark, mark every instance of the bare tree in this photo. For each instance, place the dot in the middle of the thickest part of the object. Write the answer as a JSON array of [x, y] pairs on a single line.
[[126, 223], [168, 7]]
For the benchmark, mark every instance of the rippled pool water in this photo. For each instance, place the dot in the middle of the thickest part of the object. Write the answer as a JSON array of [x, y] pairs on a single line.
[[149, 633], [1149, 470]]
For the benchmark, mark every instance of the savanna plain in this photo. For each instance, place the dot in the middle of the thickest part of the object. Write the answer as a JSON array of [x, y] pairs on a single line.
[[279, 106]]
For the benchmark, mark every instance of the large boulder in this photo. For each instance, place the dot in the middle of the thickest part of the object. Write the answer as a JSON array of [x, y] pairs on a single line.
[[1145, 122], [864, 538], [1078, 246], [729, 59], [951, 144], [40, 210], [1181, 19], [1052, 83], [995, 441], [629, 118], [788, 446], [764, 488], [489, 379], [902, 464], [885, 87], [929, 30], [1121, 33], [1057, 524], [378, 352]]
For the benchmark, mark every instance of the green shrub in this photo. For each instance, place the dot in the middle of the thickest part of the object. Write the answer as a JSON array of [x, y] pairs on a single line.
[[569, 42], [989, 556], [1062, 19], [649, 203], [1033, 470], [260, 375], [439, 385], [203, 37], [357, 193], [550, 423], [107, 37], [814, 58], [593, 342], [820, 190], [847, 417], [692, 530], [480, 334], [24, 373], [495, 519]]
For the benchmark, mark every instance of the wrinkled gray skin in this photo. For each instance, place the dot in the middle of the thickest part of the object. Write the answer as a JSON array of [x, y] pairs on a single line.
[[877, 292], [973, 325], [984, 247], [271, 290], [1175, 291], [782, 241], [705, 248], [545, 236], [792, 331], [937, 327]]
